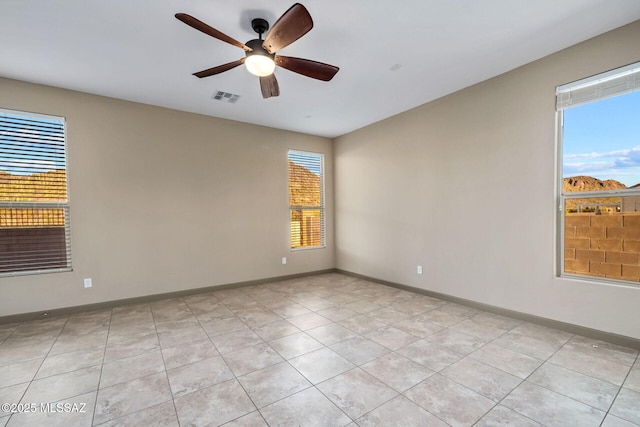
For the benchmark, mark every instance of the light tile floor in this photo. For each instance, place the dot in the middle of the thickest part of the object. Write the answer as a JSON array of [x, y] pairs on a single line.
[[325, 350]]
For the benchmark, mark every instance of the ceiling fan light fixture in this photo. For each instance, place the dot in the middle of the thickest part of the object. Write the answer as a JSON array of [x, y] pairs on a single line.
[[259, 62], [259, 65]]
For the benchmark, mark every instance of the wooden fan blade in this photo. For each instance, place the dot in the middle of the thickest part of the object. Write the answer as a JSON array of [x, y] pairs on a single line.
[[269, 86], [307, 67], [219, 69], [201, 26], [293, 24]]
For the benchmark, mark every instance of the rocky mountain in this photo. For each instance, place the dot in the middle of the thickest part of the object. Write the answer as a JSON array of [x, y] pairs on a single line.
[[588, 183], [38, 187], [304, 186], [582, 183]]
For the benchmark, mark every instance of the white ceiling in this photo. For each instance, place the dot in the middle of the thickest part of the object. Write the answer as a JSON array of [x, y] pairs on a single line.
[[393, 56]]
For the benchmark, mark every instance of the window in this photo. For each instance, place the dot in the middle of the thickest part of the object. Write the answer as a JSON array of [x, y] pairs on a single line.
[[306, 200], [599, 154], [34, 209]]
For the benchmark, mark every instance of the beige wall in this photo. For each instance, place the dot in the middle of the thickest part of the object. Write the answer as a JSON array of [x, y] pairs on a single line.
[[163, 201], [466, 187]]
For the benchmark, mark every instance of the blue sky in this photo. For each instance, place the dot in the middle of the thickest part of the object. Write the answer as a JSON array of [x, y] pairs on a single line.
[[602, 139], [38, 145], [311, 161]]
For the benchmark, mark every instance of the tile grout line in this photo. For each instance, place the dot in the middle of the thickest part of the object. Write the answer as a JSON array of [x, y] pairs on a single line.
[[618, 392], [41, 363], [285, 360], [606, 412], [528, 376], [166, 371], [586, 375], [231, 370], [106, 343], [522, 380]]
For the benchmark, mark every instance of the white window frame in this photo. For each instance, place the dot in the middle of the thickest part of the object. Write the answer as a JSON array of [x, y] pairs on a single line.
[[605, 85], [65, 206], [321, 207]]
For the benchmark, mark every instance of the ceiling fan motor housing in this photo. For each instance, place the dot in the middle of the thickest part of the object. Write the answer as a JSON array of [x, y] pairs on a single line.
[[256, 45]]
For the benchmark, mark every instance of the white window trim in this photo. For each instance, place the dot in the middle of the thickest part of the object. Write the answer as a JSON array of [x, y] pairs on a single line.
[[322, 208], [595, 88], [65, 206]]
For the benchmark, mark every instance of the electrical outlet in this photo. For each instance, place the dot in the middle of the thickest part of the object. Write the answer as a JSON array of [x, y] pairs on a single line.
[[88, 283], [284, 260], [419, 269]]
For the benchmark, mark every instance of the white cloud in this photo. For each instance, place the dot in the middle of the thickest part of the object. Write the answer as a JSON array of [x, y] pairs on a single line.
[[28, 167], [635, 151]]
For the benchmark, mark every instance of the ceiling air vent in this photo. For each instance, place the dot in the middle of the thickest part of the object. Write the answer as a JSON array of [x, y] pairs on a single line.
[[225, 97]]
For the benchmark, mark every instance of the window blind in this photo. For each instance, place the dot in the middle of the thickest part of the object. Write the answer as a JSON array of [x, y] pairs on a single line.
[[306, 199], [613, 83], [34, 207]]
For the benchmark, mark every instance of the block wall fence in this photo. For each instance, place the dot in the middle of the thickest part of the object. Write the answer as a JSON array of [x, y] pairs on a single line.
[[606, 245]]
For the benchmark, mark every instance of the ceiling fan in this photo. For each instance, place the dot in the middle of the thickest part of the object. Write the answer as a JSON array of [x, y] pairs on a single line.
[[261, 58]]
